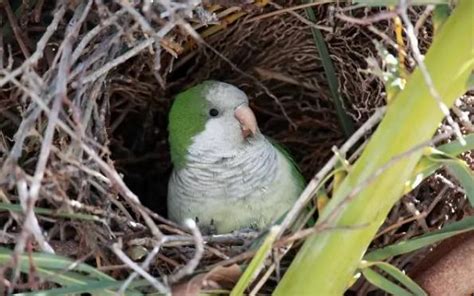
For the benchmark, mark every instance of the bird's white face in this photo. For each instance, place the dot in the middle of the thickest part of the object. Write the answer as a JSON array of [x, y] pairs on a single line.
[[230, 123]]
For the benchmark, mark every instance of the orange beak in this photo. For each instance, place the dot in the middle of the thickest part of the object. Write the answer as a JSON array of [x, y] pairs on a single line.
[[248, 122]]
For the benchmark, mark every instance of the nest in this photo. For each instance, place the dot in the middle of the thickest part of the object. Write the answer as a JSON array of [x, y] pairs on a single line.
[[92, 111]]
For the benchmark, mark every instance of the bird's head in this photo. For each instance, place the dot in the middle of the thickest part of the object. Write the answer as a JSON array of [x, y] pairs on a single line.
[[211, 116]]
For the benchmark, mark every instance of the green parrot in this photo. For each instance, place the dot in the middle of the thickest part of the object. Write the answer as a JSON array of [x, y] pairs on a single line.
[[227, 175]]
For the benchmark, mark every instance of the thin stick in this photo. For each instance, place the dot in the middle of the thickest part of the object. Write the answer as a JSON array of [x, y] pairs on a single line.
[[138, 269], [148, 260], [131, 53], [422, 215], [410, 31], [193, 263], [288, 9], [301, 18], [386, 15], [16, 29], [40, 46], [92, 33]]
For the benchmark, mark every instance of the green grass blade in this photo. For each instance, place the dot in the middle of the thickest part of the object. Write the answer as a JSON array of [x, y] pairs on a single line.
[[82, 278], [42, 211], [256, 264], [94, 288], [401, 277], [51, 261], [64, 278], [422, 241], [344, 119], [429, 164], [455, 148], [440, 16], [465, 176], [381, 282], [470, 82]]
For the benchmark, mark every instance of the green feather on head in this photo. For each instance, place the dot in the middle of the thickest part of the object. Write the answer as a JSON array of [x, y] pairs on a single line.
[[186, 119]]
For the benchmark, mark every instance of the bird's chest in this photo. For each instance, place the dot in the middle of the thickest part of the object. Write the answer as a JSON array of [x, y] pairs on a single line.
[[228, 178]]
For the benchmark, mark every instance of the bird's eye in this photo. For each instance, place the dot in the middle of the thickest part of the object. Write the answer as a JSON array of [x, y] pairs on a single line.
[[213, 112]]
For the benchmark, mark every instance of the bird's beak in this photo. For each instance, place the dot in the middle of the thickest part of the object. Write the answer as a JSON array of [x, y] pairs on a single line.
[[248, 122]]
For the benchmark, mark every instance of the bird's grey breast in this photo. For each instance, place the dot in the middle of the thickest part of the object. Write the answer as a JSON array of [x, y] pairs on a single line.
[[228, 175]]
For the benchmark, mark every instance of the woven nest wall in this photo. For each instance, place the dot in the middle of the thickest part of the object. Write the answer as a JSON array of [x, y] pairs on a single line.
[[123, 117]]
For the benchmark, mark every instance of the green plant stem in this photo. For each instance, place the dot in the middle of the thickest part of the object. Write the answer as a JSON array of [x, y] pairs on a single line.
[[330, 259]]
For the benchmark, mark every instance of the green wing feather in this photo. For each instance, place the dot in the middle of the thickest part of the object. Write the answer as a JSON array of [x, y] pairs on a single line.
[[295, 171]]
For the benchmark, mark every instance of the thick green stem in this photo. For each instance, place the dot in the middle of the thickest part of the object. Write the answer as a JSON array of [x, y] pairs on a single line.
[[327, 262]]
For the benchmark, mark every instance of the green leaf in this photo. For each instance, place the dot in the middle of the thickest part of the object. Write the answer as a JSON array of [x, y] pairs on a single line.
[[422, 241], [63, 271], [42, 211], [94, 288], [440, 16], [465, 176], [344, 119], [381, 282], [256, 264], [455, 148], [442, 155], [51, 261], [400, 276], [470, 82], [65, 278]]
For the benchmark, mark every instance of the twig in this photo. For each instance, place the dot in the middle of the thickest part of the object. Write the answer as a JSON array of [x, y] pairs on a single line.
[[37, 10], [30, 226], [263, 280], [93, 33], [299, 17], [384, 36], [148, 260], [410, 31], [2, 48], [16, 29], [118, 60], [422, 215], [116, 248], [289, 9], [367, 20], [464, 117], [40, 46], [193, 263], [423, 17]]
